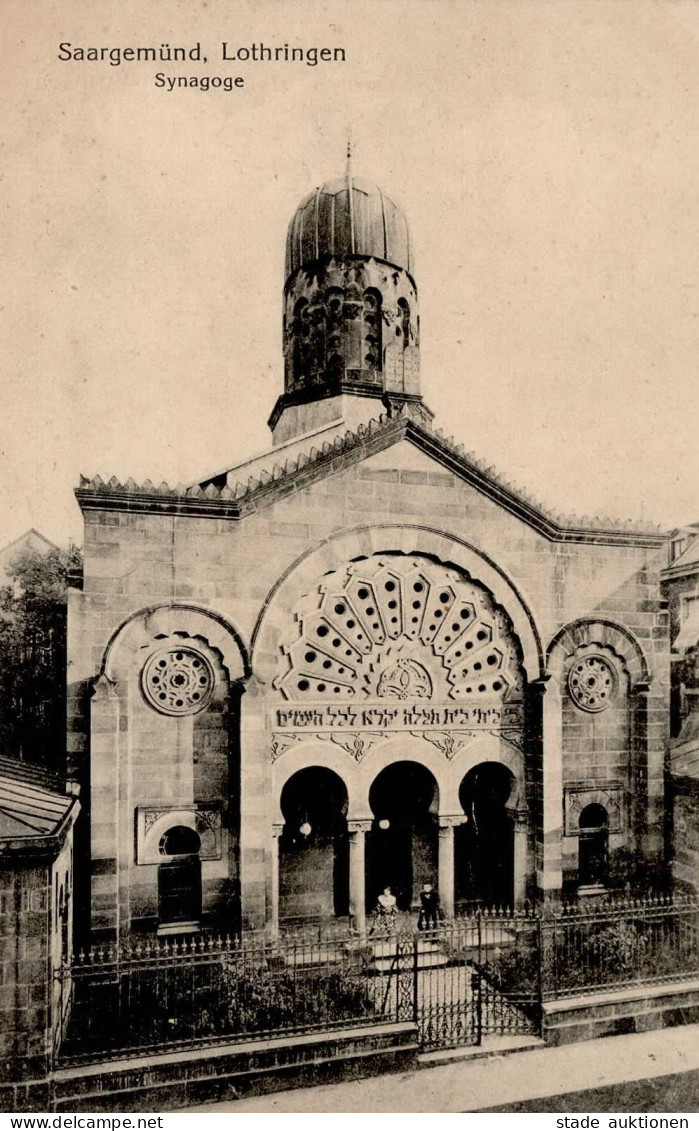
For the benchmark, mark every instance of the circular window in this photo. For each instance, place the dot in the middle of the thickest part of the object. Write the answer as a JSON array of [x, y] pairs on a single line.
[[592, 683], [178, 681]]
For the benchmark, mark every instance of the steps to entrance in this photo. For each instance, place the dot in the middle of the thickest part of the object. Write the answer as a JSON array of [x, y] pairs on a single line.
[[489, 1046], [388, 955]]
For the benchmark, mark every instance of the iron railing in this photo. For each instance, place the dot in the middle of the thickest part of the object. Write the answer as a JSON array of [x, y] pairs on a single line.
[[620, 943], [200, 989], [486, 972]]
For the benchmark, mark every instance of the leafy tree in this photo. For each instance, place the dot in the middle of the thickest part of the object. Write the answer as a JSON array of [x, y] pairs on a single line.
[[33, 656]]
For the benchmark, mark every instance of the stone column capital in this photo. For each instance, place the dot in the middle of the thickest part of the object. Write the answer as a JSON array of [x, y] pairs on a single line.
[[360, 825], [450, 820]]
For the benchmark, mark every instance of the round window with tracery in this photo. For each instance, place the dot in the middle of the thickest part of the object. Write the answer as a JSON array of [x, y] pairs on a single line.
[[178, 681], [592, 683]]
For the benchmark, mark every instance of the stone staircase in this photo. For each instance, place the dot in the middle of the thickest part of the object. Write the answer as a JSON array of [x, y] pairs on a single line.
[[389, 955]]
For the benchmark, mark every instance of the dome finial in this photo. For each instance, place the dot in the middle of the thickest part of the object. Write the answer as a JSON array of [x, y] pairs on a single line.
[[350, 191]]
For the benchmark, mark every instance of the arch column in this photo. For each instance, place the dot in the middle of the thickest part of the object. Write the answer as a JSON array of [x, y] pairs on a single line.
[[357, 830], [545, 784], [520, 821], [277, 830], [445, 863]]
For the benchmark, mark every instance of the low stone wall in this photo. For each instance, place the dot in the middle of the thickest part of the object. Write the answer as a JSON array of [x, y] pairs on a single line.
[[171, 1081], [612, 1012]]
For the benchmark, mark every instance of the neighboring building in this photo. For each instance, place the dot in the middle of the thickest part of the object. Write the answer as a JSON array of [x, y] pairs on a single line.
[[32, 540], [360, 659], [36, 923], [681, 588]]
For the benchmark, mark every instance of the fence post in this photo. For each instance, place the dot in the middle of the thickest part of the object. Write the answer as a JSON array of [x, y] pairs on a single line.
[[416, 995], [478, 987]]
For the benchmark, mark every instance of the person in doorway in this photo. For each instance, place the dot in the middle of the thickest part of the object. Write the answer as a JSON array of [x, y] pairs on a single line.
[[387, 907], [429, 908]]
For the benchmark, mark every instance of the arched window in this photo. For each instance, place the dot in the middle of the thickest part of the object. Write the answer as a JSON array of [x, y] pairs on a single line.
[[593, 856], [334, 330], [179, 841], [179, 877], [301, 340], [372, 330], [404, 321]]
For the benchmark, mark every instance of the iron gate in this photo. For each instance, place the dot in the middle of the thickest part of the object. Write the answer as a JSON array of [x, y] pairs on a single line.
[[466, 979]]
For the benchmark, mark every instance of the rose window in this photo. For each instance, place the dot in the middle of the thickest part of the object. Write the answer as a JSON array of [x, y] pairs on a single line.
[[592, 683], [178, 681]]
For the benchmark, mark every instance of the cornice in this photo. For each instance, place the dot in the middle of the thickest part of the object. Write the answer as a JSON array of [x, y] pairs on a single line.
[[344, 451]]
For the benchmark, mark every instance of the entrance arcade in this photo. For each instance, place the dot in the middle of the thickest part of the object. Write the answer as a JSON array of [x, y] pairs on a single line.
[[402, 844], [313, 847], [484, 844]]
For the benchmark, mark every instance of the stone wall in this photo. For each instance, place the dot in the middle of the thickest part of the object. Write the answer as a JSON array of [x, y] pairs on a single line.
[[233, 568], [25, 995]]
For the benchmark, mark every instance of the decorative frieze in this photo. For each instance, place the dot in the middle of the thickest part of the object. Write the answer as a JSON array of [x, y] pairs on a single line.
[[383, 716]]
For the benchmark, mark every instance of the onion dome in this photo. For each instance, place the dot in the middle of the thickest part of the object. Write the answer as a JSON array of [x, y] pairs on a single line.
[[348, 216]]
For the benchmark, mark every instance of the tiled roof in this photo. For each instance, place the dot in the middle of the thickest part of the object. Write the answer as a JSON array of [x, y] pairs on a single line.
[[273, 476], [30, 804]]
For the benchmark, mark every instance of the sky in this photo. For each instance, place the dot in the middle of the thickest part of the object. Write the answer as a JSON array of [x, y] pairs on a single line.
[[544, 151]]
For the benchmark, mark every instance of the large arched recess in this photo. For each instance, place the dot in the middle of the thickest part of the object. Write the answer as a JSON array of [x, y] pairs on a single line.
[[363, 541]]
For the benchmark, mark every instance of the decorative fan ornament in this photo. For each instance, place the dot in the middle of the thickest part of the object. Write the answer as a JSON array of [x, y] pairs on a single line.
[[407, 605]]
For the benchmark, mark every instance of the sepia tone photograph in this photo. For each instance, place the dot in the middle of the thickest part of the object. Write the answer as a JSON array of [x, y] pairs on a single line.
[[349, 558]]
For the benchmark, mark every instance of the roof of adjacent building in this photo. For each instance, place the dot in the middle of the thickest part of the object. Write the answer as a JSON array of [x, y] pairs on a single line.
[[32, 539], [31, 801], [247, 487], [688, 560]]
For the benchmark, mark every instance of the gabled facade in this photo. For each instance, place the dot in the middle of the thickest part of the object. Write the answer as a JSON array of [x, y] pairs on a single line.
[[361, 659]]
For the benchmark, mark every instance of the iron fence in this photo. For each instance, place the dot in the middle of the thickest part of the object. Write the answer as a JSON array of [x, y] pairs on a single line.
[[626, 942], [482, 973], [200, 989]]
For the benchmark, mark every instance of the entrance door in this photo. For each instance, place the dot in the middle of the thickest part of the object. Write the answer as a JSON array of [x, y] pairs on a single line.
[[179, 877], [179, 891]]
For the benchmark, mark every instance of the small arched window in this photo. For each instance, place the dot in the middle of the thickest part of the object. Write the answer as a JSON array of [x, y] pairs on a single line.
[[301, 340], [404, 321], [179, 841], [371, 330]]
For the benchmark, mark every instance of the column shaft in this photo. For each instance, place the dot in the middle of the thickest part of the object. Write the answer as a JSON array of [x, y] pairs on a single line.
[[357, 874], [445, 870], [274, 875]]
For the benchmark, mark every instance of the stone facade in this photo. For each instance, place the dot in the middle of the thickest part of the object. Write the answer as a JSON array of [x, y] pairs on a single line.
[[249, 660], [36, 925], [680, 582]]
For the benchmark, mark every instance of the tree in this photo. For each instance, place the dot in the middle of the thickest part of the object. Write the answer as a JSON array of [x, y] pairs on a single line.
[[33, 656]]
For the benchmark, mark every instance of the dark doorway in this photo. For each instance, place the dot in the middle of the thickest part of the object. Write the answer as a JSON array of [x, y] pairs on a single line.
[[593, 851], [402, 844], [179, 877], [314, 848], [484, 845]]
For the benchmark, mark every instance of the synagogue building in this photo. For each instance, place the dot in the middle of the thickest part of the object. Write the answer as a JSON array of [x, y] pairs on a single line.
[[361, 659]]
